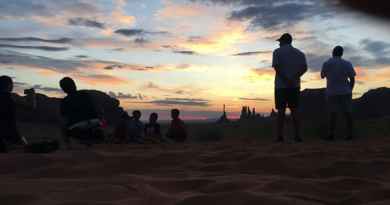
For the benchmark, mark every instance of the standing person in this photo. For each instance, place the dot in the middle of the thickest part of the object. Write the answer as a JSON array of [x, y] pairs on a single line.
[[177, 131], [152, 129], [340, 79], [8, 129], [289, 64], [136, 128], [79, 113]]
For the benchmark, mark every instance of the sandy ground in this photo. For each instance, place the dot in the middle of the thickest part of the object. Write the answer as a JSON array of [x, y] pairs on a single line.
[[230, 172]]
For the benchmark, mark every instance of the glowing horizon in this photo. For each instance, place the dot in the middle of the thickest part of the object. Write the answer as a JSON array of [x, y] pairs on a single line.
[[195, 55]]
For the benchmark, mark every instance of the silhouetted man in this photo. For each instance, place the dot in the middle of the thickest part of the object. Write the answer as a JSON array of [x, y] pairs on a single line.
[[8, 128], [340, 78], [177, 130], [136, 128], [289, 64], [79, 113]]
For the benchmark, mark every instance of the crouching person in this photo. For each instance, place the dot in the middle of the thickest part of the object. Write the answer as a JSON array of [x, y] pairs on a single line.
[[81, 120]]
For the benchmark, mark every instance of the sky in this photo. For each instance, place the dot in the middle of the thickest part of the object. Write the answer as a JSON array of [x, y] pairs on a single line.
[[195, 55]]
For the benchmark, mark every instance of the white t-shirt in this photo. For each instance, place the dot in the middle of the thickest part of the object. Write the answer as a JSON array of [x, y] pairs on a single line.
[[337, 72], [290, 61]]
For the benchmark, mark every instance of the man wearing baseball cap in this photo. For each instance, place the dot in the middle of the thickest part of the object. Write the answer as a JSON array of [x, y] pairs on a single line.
[[289, 64]]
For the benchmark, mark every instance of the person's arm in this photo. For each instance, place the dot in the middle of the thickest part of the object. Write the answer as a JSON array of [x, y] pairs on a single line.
[[352, 82], [278, 71], [303, 70], [304, 67], [324, 70], [351, 75]]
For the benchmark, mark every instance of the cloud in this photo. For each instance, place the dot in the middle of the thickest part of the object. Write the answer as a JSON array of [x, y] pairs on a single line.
[[46, 89], [179, 11], [375, 47], [252, 53], [17, 59], [86, 22], [33, 61], [123, 96], [44, 8], [183, 90], [119, 15], [81, 56], [225, 36], [181, 101], [373, 7], [185, 52], [254, 99], [138, 32], [36, 39], [131, 67], [141, 41], [271, 14], [99, 79], [43, 48], [261, 72]]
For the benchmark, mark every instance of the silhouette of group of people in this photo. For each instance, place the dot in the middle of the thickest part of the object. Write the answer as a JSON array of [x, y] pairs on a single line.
[[131, 129], [290, 65], [82, 120]]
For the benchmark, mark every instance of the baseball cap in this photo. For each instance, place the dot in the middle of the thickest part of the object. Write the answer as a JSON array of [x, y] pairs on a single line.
[[286, 37]]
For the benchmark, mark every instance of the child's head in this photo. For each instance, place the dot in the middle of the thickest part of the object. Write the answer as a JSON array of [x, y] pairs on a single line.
[[6, 84], [175, 114], [68, 85], [153, 117], [124, 115], [137, 114]]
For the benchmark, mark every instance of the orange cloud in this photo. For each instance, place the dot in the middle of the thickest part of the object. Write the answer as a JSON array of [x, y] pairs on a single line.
[[225, 38], [172, 10], [100, 79], [119, 15]]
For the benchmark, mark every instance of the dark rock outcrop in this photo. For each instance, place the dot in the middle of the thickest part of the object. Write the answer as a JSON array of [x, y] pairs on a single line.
[[313, 103], [373, 104], [48, 109]]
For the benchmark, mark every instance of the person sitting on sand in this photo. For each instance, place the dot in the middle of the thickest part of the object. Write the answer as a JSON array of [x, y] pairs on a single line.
[[79, 113], [136, 128], [121, 131], [153, 130], [8, 129], [177, 131], [340, 78]]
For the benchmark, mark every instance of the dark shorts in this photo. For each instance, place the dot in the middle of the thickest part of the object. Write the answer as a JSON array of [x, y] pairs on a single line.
[[287, 97], [340, 103]]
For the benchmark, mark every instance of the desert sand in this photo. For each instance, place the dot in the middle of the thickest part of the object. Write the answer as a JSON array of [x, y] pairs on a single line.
[[230, 172]]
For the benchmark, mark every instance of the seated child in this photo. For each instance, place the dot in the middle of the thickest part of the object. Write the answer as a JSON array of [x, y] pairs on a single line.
[[177, 130]]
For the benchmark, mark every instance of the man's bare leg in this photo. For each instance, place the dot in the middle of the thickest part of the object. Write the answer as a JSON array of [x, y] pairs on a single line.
[[297, 124], [280, 125], [349, 119]]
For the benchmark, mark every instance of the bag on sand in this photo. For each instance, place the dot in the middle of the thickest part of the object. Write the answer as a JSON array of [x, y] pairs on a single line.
[[44, 146]]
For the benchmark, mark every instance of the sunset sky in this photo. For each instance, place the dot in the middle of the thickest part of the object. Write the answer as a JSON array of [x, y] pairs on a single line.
[[195, 55]]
